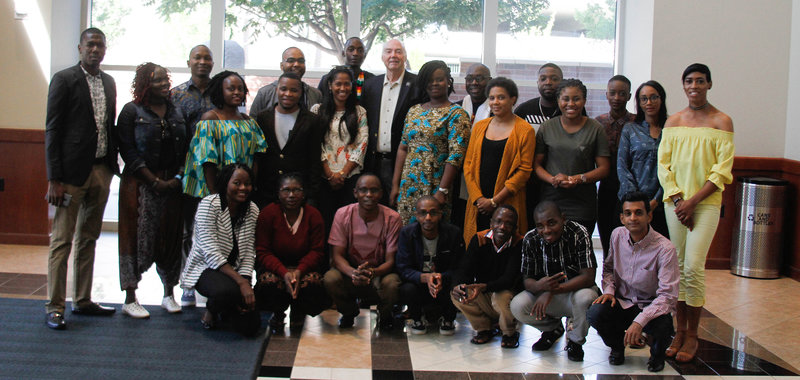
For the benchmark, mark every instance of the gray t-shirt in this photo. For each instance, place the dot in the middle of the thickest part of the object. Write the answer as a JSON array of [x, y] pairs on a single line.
[[572, 154], [429, 246], [284, 122]]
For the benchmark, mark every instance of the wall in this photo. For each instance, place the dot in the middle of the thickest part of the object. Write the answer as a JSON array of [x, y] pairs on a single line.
[[746, 46], [635, 42], [792, 138], [24, 79]]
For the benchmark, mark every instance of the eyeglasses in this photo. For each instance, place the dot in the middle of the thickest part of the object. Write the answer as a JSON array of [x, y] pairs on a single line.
[[423, 213], [297, 60], [290, 190], [475, 78], [652, 99]]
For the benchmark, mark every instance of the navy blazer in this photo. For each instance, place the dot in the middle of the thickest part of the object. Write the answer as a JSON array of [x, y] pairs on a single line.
[[71, 132], [410, 252], [371, 101]]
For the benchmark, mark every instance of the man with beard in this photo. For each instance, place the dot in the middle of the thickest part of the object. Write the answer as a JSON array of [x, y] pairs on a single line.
[[363, 242], [427, 255], [538, 110], [354, 56], [292, 61]]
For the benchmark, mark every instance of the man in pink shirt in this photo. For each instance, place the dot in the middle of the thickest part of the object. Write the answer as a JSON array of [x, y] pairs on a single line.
[[363, 242], [640, 286]]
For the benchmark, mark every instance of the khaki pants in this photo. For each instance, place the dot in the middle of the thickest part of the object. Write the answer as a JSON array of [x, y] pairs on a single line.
[[489, 307], [78, 224]]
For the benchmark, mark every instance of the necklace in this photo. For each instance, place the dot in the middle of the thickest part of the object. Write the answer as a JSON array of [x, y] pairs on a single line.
[[699, 107], [541, 111]]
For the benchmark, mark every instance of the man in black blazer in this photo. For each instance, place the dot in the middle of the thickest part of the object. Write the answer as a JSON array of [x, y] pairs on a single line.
[[294, 142], [81, 154], [387, 99]]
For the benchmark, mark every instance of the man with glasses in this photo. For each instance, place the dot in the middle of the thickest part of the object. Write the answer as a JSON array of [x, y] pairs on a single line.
[[363, 242], [292, 61], [428, 252], [488, 278], [478, 76], [558, 269]]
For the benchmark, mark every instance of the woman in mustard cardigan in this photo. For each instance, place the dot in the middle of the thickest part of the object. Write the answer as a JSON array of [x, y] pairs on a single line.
[[499, 160]]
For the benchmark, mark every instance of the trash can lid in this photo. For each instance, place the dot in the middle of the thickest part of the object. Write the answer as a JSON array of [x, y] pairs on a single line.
[[763, 181]]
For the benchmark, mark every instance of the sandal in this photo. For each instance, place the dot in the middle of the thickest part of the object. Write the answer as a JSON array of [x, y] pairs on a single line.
[[688, 351], [482, 337], [207, 321], [510, 341], [677, 342]]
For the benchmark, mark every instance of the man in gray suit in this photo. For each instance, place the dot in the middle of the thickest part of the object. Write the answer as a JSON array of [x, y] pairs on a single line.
[[81, 154]]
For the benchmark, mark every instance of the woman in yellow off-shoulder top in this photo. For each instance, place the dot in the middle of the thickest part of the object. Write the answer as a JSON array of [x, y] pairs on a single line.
[[694, 165]]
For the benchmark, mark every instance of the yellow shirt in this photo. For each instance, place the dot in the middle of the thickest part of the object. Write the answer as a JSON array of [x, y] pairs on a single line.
[[690, 156]]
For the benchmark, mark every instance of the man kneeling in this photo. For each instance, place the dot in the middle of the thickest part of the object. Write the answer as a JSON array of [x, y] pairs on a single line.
[[558, 267], [640, 286]]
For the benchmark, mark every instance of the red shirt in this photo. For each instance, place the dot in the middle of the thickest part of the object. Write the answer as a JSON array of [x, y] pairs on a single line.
[[277, 248]]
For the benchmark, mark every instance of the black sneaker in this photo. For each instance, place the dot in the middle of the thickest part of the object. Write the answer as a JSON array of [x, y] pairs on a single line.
[[447, 327], [418, 327], [574, 351], [547, 339]]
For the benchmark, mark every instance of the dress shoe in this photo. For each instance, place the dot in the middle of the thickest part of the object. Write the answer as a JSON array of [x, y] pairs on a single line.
[[655, 364], [93, 309], [55, 321], [347, 321], [574, 351], [616, 357]]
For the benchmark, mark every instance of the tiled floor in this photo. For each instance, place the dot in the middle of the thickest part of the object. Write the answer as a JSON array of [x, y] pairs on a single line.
[[750, 328]]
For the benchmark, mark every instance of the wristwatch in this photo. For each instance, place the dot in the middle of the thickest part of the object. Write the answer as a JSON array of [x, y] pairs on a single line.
[[676, 200]]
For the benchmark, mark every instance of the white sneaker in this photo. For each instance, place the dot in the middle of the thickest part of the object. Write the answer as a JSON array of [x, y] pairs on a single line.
[[135, 310], [170, 305]]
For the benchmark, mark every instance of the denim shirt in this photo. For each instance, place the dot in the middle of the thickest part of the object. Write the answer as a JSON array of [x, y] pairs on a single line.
[[141, 138], [637, 161]]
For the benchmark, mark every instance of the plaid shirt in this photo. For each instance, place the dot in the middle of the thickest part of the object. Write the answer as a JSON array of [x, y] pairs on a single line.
[[571, 253]]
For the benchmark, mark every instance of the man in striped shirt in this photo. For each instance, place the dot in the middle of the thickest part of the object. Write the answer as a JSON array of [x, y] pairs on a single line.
[[640, 286], [558, 268]]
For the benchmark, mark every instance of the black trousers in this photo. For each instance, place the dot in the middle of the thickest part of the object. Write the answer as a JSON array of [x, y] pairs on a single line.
[[225, 299], [417, 297], [611, 323], [311, 298]]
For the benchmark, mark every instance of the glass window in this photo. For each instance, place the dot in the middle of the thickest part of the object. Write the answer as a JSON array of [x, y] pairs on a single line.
[[139, 32], [578, 36]]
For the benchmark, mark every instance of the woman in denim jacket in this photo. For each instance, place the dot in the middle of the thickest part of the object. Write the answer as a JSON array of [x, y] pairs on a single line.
[[153, 146]]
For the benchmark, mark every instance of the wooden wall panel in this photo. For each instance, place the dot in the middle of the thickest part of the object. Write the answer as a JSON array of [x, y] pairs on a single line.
[[23, 210]]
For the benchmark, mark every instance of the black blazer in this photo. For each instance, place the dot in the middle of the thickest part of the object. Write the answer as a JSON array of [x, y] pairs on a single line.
[[71, 133], [302, 153], [371, 101]]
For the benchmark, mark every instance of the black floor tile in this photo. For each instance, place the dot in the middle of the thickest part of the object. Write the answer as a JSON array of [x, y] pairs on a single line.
[[773, 369], [495, 376], [272, 371], [392, 362], [557, 376], [384, 374], [437, 375], [695, 367]]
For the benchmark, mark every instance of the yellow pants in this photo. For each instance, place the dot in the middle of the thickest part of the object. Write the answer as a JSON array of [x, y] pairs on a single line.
[[692, 248]]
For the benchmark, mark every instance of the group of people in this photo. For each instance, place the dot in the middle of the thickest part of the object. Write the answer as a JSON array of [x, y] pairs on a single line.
[[474, 206]]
